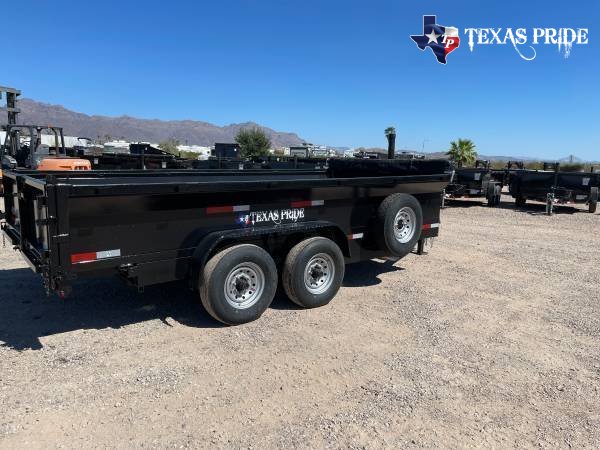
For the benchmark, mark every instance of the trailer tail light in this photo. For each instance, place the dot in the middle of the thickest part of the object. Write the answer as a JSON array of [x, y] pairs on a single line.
[[239, 208], [429, 226], [307, 203], [226, 209], [80, 258], [351, 237]]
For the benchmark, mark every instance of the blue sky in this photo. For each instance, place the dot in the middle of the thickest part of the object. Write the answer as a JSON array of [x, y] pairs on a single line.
[[335, 72]]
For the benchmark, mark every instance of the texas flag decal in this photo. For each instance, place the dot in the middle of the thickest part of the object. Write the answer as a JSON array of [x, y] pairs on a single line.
[[440, 39]]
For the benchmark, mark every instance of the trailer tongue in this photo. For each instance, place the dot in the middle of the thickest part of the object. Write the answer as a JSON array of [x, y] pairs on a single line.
[[228, 233]]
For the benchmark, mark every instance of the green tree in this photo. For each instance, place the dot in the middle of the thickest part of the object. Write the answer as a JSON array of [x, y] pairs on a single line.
[[253, 142], [534, 165], [462, 152], [573, 167], [497, 165], [170, 146], [188, 155]]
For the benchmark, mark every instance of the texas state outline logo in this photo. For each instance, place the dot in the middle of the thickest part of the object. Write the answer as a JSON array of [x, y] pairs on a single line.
[[442, 40]]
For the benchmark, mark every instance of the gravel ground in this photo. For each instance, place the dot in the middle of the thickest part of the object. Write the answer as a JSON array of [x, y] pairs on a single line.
[[490, 340]]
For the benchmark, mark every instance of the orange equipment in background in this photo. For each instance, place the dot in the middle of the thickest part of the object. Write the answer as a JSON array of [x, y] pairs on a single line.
[[64, 164]]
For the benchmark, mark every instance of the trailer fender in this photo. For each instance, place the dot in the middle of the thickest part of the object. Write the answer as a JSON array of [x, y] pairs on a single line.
[[215, 240]]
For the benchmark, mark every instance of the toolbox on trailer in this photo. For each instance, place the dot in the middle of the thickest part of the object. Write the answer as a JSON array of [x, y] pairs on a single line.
[[233, 234]]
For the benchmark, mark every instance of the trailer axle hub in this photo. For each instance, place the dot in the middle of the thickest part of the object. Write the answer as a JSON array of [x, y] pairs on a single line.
[[244, 285]]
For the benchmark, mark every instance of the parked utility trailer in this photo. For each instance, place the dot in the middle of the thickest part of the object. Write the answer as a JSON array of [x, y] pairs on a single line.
[[266, 162], [164, 160], [555, 187], [232, 234], [503, 176], [140, 156], [475, 182]]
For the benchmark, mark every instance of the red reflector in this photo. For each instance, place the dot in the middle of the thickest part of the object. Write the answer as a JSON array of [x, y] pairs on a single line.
[[83, 257], [218, 209], [301, 204], [427, 226]]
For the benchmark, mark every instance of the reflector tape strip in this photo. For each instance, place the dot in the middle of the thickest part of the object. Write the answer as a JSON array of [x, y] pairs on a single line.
[[428, 226], [108, 254], [307, 203], [351, 237], [226, 209], [237, 208], [78, 258]]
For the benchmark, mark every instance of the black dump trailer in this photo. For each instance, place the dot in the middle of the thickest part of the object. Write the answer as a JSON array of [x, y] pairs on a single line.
[[475, 182], [141, 156], [503, 176], [234, 235], [555, 187], [263, 162]]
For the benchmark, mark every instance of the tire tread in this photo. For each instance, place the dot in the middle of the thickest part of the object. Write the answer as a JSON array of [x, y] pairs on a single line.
[[290, 268], [207, 273], [382, 212]]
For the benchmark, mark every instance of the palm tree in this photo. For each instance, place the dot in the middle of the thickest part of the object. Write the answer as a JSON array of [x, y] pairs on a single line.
[[462, 152]]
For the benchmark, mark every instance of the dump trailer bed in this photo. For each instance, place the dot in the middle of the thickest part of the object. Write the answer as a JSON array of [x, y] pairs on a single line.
[[150, 161], [151, 227], [269, 162], [555, 187], [475, 182], [126, 161]]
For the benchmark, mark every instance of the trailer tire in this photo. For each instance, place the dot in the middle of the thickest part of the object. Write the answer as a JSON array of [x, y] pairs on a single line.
[[593, 199], [489, 195], [313, 272], [400, 220], [493, 194], [520, 201], [227, 281], [498, 195]]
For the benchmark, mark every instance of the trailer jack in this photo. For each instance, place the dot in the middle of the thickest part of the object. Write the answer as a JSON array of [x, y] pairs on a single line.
[[422, 243], [549, 203]]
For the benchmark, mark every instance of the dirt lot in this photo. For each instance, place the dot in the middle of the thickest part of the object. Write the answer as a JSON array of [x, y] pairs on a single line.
[[492, 339]]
